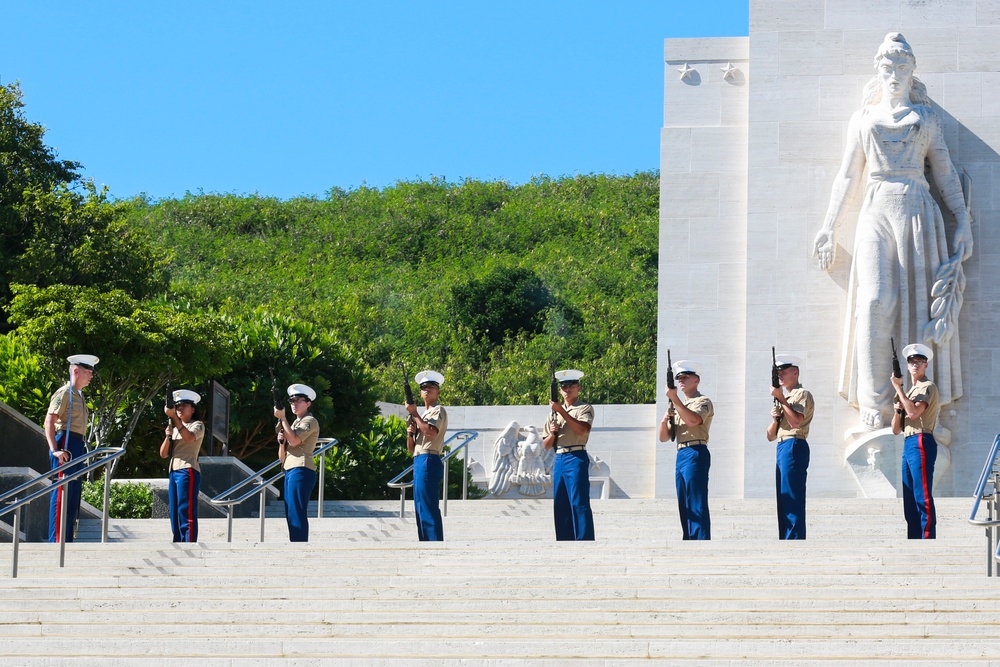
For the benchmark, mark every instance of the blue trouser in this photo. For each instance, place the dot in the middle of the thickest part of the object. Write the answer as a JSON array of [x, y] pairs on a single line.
[[299, 483], [71, 492], [182, 493], [571, 491], [691, 477], [919, 455], [428, 471], [791, 466]]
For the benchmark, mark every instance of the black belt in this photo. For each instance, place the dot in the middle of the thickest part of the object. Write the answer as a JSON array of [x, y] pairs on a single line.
[[691, 443], [567, 450]]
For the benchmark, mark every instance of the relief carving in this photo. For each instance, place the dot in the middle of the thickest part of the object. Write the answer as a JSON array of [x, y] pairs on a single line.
[[904, 283]]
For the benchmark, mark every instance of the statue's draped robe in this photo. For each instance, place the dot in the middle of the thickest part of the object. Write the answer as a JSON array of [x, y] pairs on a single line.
[[901, 226]]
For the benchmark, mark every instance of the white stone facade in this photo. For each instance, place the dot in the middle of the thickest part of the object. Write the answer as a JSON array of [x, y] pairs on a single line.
[[747, 163]]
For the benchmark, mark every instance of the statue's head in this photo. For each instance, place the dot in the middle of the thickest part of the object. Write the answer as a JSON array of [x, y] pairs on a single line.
[[896, 45], [894, 64]]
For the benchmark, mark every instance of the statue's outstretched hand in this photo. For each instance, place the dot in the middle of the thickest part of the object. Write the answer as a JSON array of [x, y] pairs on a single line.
[[824, 249]]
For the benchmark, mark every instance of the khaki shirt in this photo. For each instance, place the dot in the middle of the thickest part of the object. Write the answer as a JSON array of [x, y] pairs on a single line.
[[927, 392], [702, 406], [307, 428], [802, 402], [185, 454], [583, 412], [59, 405], [435, 416]]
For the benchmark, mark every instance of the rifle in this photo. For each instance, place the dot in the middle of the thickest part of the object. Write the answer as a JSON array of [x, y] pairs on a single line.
[[408, 393], [556, 398], [276, 397], [275, 392], [775, 383], [896, 370], [671, 426]]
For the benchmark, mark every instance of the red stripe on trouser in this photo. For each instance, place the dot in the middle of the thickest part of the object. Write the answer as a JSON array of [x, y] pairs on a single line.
[[59, 502], [927, 494], [191, 501]]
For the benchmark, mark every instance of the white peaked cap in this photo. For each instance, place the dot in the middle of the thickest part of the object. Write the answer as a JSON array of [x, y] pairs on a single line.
[[786, 360], [423, 377], [86, 360], [186, 395], [569, 375], [918, 349], [301, 390], [687, 366]]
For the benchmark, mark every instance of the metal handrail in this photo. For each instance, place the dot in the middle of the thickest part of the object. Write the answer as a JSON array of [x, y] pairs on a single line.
[[108, 455], [989, 475], [983, 481], [258, 485], [394, 483]]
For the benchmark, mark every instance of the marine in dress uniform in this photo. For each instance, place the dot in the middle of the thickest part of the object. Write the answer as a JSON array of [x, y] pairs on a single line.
[[915, 417], [182, 445], [65, 427], [790, 427], [425, 441], [692, 417], [296, 444], [571, 473]]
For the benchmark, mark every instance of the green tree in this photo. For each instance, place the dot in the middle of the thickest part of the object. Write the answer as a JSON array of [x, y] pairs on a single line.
[[378, 270], [80, 238], [25, 382], [501, 305], [294, 351], [136, 342], [26, 163]]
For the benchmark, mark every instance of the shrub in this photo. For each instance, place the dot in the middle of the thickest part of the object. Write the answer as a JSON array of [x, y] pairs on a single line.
[[129, 500], [360, 469]]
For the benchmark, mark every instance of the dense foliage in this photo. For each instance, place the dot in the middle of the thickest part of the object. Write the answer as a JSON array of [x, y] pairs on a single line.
[[491, 284], [136, 342], [128, 500], [27, 167], [358, 471]]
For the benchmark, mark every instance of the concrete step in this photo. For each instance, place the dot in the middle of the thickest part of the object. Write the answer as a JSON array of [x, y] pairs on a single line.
[[502, 592], [638, 522], [411, 661], [787, 647]]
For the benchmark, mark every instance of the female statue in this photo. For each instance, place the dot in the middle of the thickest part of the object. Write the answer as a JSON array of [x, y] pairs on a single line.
[[903, 282]]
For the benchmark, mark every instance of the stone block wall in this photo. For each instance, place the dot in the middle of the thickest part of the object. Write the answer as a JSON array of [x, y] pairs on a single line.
[[704, 242]]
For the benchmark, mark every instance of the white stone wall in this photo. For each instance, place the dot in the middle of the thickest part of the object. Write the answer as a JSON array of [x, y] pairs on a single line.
[[735, 281], [801, 97], [620, 438], [704, 244]]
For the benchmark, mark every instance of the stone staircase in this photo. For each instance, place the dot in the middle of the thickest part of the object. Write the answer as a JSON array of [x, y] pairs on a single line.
[[502, 592]]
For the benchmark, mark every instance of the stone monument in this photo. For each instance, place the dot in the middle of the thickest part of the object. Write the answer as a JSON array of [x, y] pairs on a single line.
[[812, 207]]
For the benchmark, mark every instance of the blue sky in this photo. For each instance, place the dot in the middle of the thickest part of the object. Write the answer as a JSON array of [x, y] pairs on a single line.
[[293, 98]]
